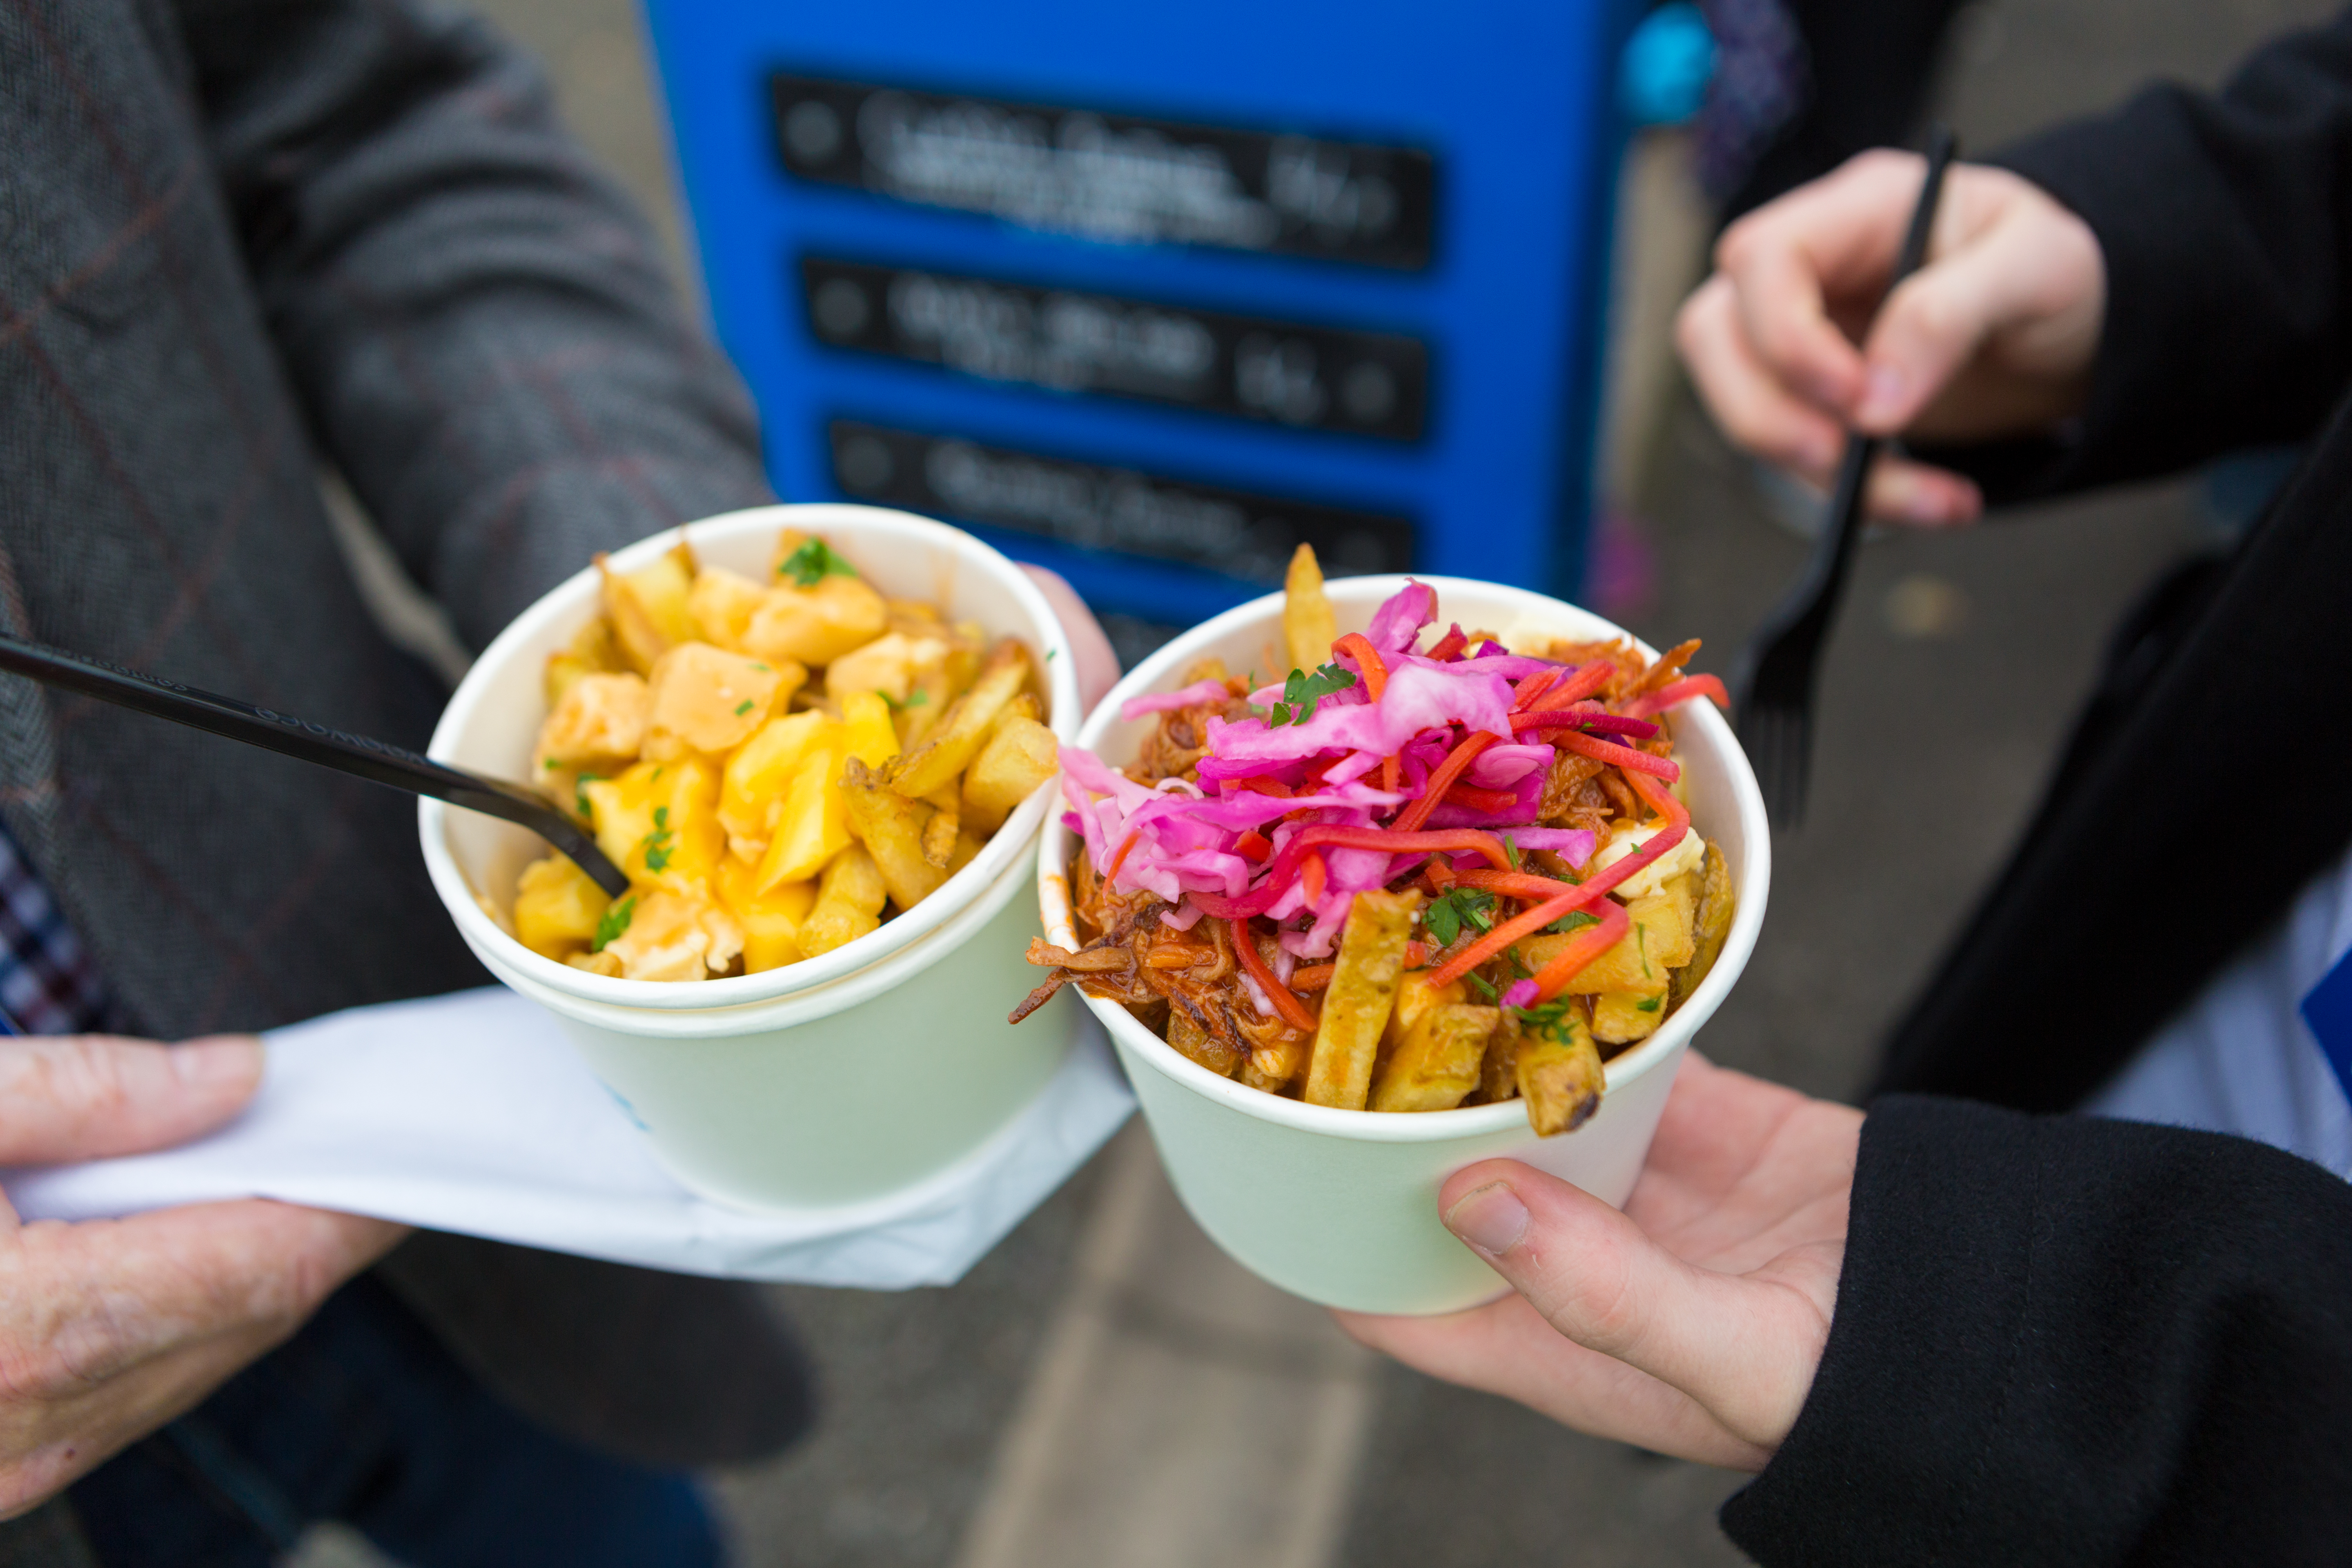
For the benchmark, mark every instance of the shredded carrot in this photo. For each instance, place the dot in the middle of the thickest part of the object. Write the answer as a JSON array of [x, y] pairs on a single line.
[[1679, 691], [1449, 645], [1253, 845], [1313, 976], [1526, 923], [1587, 679], [1118, 856], [1358, 646], [1625, 757], [1392, 770], [1478, 799], [1411, 818], [1587, 945], [1310, 877], [1533, 686], [1292, 1010]]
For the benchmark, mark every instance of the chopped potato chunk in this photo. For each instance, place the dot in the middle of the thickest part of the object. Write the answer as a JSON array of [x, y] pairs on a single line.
[[849, 900], [659, 823], [770, 920], [814, 624], [1020, 756], [649, 607], [721, 602], [600, 723], [706, 699], [557, 906]]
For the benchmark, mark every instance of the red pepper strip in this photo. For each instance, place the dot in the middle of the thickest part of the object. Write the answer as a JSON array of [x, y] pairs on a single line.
[[1439, 874], [1679, 691], [1416, 954], [1526, 923], [1264, 785], [1625, 757], [1448, 647], [1374, 669], [1478, 799], [1587, 679], [1314, 976], [1294, 1012], [1118, 856], [1587, 945], [1533, 686], [1310, 877], [1253, 845], [1410, 819]]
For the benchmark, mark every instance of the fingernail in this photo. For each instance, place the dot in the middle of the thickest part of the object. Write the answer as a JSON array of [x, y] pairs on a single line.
[[208, 1064], [1882, 394], [1490, 1218]]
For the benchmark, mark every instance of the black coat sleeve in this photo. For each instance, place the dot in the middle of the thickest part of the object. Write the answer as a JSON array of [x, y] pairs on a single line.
[[477, 322], [2226, 222], [2063, 1340]]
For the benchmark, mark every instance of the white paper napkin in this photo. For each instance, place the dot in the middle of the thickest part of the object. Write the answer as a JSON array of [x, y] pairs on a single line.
[[470, 1113]]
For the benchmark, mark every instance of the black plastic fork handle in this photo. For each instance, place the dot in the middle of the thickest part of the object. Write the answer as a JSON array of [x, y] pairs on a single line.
[[378, 762]]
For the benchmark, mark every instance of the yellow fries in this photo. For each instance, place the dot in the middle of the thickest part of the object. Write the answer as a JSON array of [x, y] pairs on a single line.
[[1307, 624], [949, 749], [772, 763], [892, 829], [1709, 925], [1357, 1005], [1436, 1058], [848, 903], [1558, 1073]]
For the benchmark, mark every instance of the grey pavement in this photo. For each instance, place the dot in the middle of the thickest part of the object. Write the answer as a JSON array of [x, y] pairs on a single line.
[[1105, 1388]]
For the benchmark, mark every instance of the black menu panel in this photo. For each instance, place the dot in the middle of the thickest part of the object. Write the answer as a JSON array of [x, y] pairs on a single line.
[[1371, 384], [1112, 176], [1094, 506]]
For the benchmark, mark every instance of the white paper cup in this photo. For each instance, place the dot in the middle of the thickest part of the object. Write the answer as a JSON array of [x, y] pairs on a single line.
[[838, 1079], [1340, 1206]]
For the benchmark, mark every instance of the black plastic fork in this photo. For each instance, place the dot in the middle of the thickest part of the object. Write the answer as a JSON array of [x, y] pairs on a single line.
[[1779, 673], [377, 762]]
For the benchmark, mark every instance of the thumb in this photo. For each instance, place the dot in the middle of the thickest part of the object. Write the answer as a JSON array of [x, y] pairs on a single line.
[[84, 1097], [1937, 320], [1601, 1281]]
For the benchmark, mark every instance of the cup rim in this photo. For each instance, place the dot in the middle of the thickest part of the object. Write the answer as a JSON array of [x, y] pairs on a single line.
[[1467, 1122], [571, 599]]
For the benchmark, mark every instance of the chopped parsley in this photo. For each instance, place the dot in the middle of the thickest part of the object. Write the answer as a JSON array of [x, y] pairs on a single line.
[[1510, 852], [1302, 691], [743, 708], [1575, 919], [580, 795], [1648, 1004], [763, 669], [811, 563], [616, 922], [657, 842], [1546, 1018], [1642, 946], [1485, 989], [1446, 917], [550, 764]]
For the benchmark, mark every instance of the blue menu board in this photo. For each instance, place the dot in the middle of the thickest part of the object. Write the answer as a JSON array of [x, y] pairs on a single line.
[[1152, 294]]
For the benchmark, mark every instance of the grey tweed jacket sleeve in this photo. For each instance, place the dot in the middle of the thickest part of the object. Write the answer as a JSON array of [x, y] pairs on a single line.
[[478, 327]]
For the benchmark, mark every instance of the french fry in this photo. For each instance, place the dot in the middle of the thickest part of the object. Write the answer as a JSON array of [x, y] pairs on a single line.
[[600, 721], [1499, 1075], [648, 608], [1620, 1017], [770, 920], [1656, 939], [1558, 1073], [1020, 755], [945, 828], [721, 602], [949, 749], [1436, 1058], [889, 665], [937, 687], [849, 900], [1357, 1004], [892, 828], [1308, 626], [706, 699], [752, 792], [658, 822], [815, 625], [872, 740], [1710, 924], [813, 827], [591, 650], [557, 906]]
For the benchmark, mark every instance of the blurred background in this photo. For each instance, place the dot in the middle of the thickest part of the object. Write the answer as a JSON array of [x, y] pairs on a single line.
[[1419, 313]]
